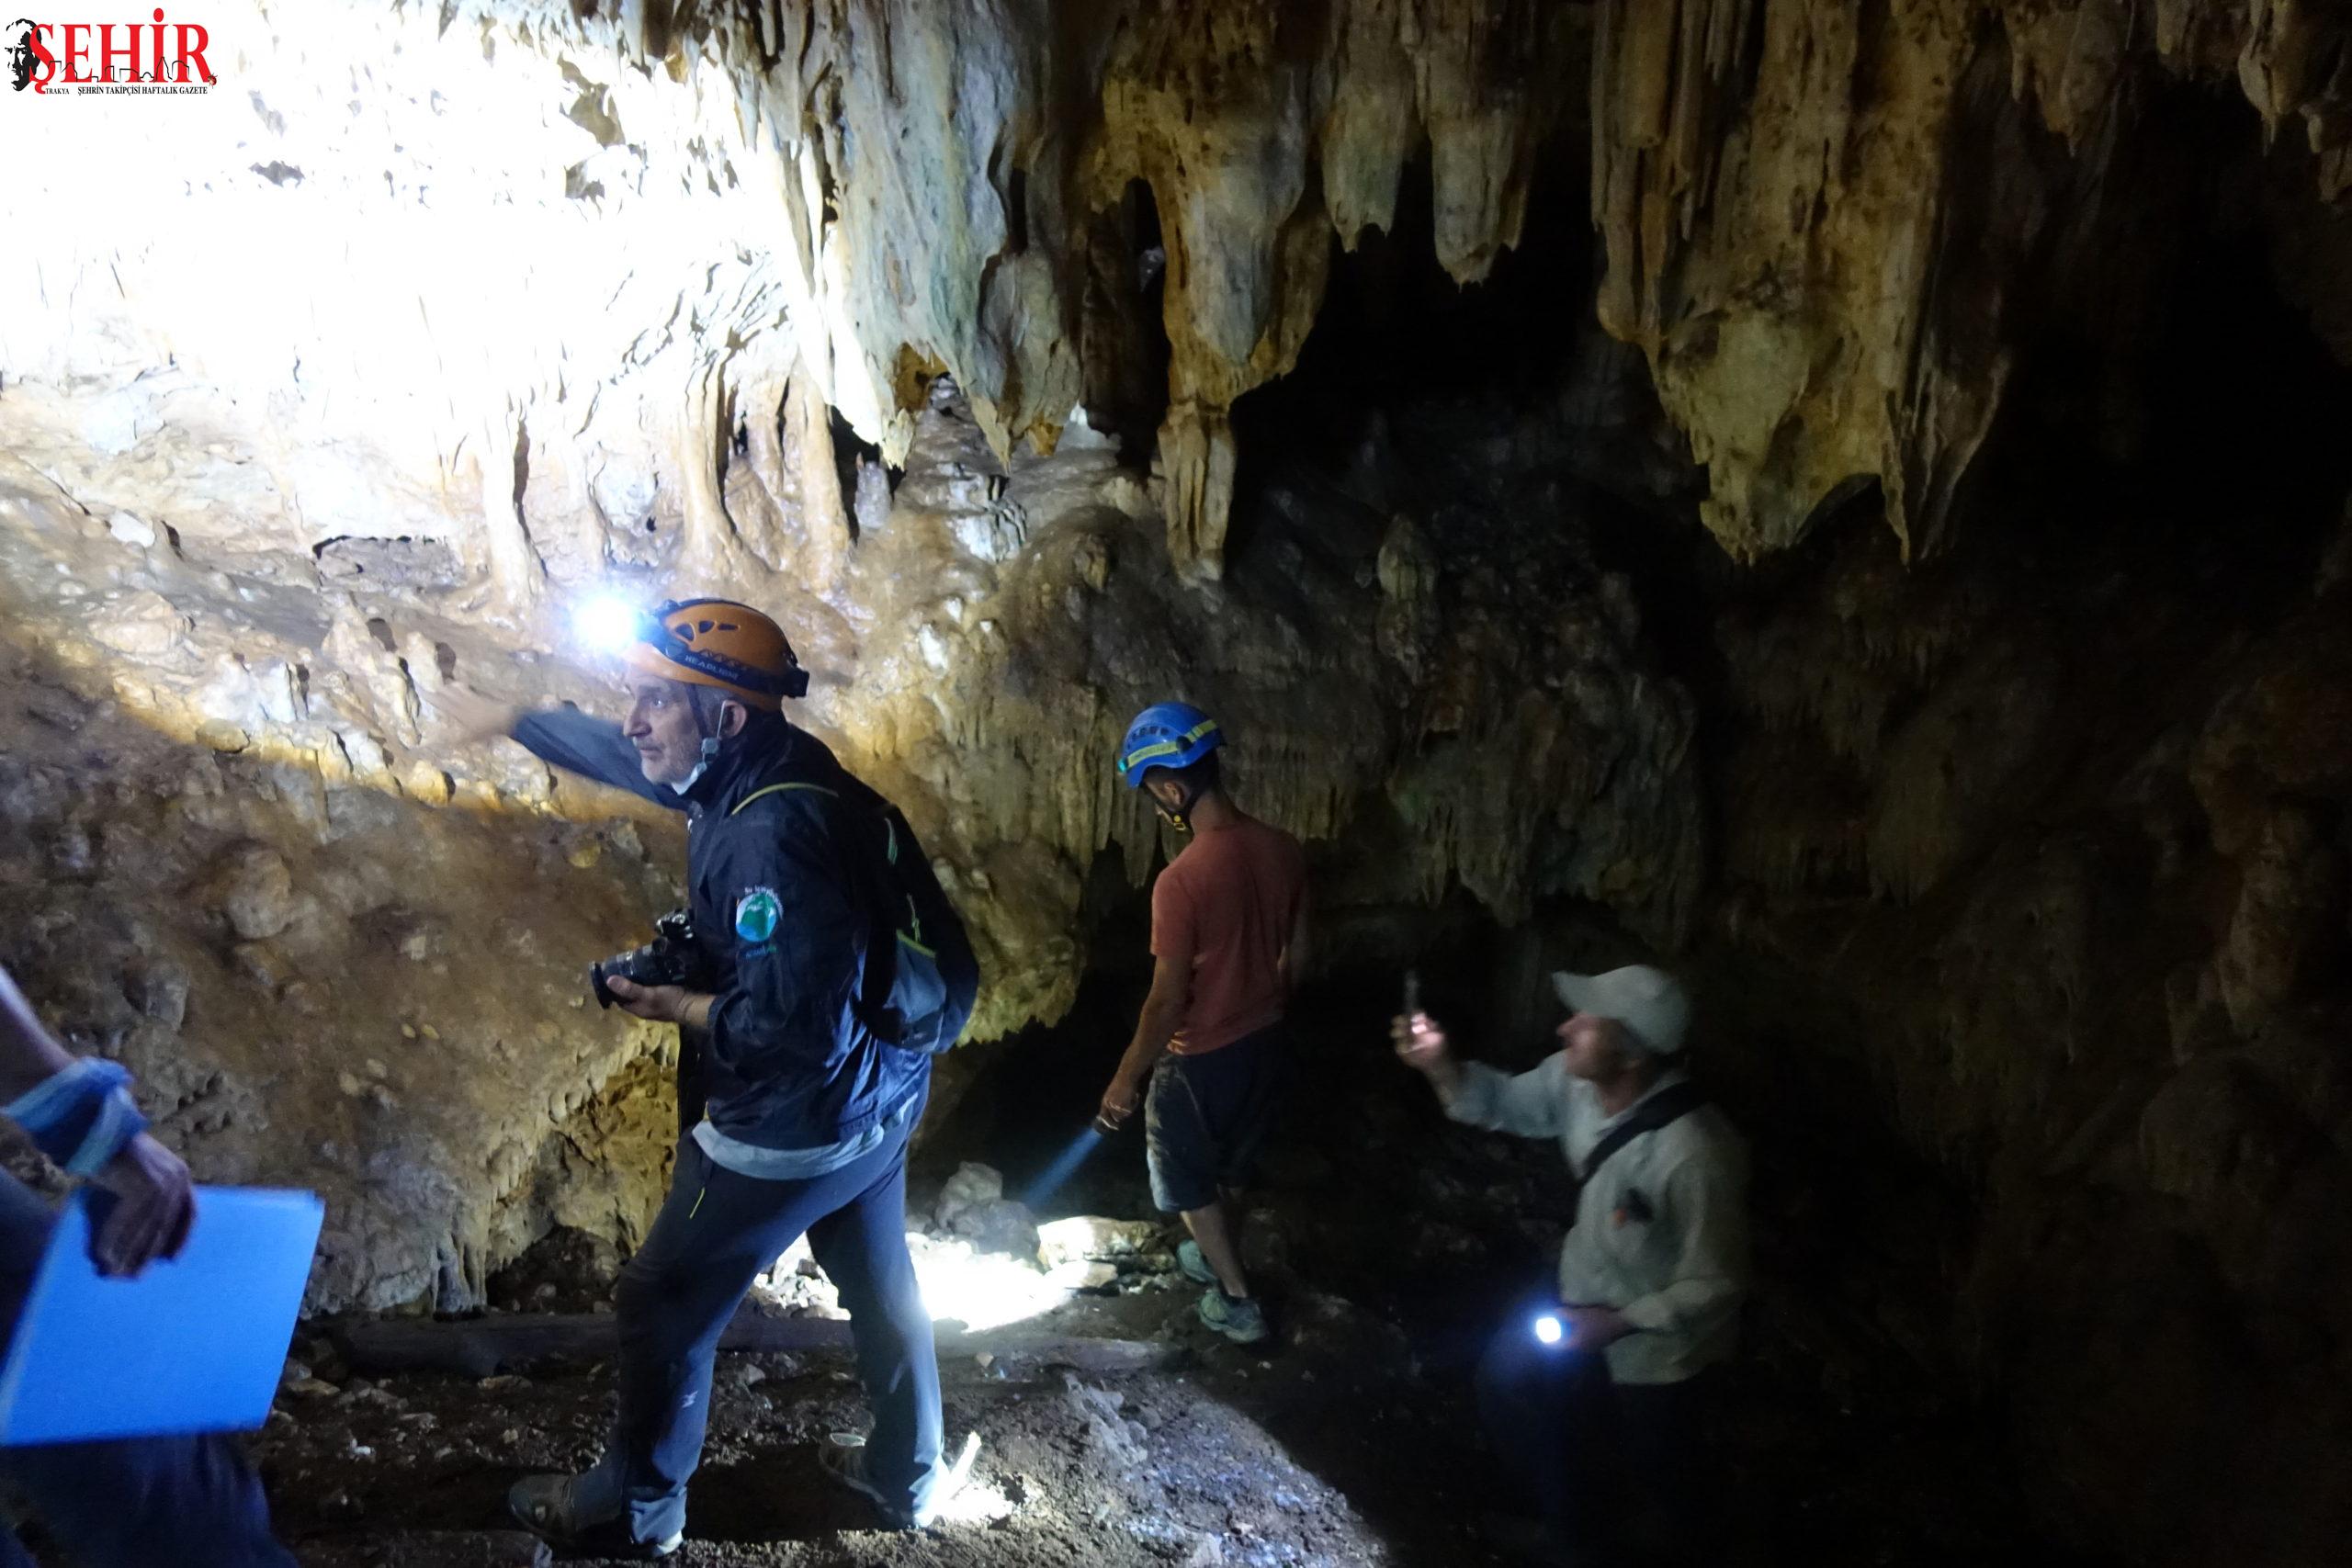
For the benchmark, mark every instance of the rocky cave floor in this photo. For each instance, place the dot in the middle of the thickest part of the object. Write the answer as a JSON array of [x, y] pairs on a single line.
[[1351, 1441]]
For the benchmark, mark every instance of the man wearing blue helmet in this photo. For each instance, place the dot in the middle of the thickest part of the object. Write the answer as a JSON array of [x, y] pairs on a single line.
[[1228, 941]]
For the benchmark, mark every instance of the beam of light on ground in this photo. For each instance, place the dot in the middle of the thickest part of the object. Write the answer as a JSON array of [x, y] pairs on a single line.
[[981, 1290]]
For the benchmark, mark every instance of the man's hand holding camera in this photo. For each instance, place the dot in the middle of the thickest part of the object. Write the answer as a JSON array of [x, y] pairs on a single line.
[[661, 1004]]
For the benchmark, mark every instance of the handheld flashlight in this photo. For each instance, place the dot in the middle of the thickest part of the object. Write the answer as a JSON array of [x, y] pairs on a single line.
[[1549, 1329]]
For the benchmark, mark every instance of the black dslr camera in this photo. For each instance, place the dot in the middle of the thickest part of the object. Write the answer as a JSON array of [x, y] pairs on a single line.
[[670, 959]]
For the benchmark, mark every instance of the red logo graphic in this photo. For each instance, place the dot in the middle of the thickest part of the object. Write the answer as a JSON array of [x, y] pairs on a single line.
[[108, 55]]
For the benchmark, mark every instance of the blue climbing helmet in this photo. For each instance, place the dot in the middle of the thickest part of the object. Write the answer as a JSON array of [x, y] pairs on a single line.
[[1166, 735]]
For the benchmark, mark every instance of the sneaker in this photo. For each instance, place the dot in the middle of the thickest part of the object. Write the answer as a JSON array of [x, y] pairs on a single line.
[[843, 1455], [1239, 1318], [543, 1505], [1196, 1266]]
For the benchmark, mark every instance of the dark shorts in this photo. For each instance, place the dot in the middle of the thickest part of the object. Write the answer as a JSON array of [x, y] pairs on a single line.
[[1207, 1117]]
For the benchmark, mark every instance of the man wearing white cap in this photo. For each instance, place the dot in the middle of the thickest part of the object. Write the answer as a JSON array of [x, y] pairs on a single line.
[[1598, 1397]]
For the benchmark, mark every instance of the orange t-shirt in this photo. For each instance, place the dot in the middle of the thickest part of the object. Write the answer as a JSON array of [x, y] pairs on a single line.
[[1229, 901]]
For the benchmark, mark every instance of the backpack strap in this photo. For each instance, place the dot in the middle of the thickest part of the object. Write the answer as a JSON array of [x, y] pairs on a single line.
[[778, 789], [1668, 1105], [875, 984]]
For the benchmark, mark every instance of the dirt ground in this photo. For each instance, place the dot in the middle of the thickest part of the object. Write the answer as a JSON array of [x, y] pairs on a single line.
[[1390, 1241]]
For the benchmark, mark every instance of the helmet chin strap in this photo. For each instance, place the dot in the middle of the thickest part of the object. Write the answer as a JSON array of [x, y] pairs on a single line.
[[1181, 817], [710, 744]]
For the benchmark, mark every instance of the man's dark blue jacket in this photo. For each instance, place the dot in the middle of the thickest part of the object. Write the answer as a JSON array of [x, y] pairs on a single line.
[[774, 873]]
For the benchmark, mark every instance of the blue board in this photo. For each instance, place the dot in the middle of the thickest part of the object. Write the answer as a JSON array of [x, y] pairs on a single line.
[[192, 1345]]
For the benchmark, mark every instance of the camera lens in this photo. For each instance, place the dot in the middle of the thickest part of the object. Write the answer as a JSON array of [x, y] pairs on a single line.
[[670, 959]]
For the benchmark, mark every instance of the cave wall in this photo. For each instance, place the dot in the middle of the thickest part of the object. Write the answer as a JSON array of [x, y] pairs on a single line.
[[549, 301], [2010, 339], [2047, 871], [2036, 848], [1496, 728], [320, 983]]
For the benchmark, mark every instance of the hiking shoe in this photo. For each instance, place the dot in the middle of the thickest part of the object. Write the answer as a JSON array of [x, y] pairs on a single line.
[[543, 1505], [1239, 1318], [1195, 1265], [843, 1455]]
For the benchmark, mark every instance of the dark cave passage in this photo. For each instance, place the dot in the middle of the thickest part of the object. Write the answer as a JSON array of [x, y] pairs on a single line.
[[1850, 1443]]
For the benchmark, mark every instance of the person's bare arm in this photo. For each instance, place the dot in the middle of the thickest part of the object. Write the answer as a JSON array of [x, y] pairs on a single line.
[[1162, 1015], [27, 1054], [471, 717], [156, 1202]]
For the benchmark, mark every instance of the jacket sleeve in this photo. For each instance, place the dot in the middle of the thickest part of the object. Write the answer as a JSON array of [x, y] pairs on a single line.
[[593, 747], [797, 938], [1706, 1199], [1533, 1104]]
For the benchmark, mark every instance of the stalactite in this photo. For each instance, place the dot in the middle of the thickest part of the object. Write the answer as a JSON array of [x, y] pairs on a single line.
[[1821, 221]]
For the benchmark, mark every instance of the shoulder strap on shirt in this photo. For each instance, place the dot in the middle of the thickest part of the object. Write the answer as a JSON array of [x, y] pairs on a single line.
[[1668, 1105]]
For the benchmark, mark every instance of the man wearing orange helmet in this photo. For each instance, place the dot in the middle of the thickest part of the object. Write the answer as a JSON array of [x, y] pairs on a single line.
[[813, 1092]]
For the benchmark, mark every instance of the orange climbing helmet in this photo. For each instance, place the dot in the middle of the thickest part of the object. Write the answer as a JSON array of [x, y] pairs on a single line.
[[722, 644]]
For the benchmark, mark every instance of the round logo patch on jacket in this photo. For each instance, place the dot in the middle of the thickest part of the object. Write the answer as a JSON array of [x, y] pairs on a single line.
[[756, 914]]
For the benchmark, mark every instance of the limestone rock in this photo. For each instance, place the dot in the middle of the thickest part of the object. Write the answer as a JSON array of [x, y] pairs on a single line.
[[1117, 1440], [143, 625], [254, 888], [1086, 1238], [1000, 1226], [973, 1186], [2289, 923], [159, 988]]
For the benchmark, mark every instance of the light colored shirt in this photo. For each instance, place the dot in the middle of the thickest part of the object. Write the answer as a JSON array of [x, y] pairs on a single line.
[[1679, 1275], [798, 1165]]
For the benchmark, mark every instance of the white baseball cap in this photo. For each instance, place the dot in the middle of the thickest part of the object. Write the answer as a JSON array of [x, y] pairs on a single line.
[[1650, 1003]]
